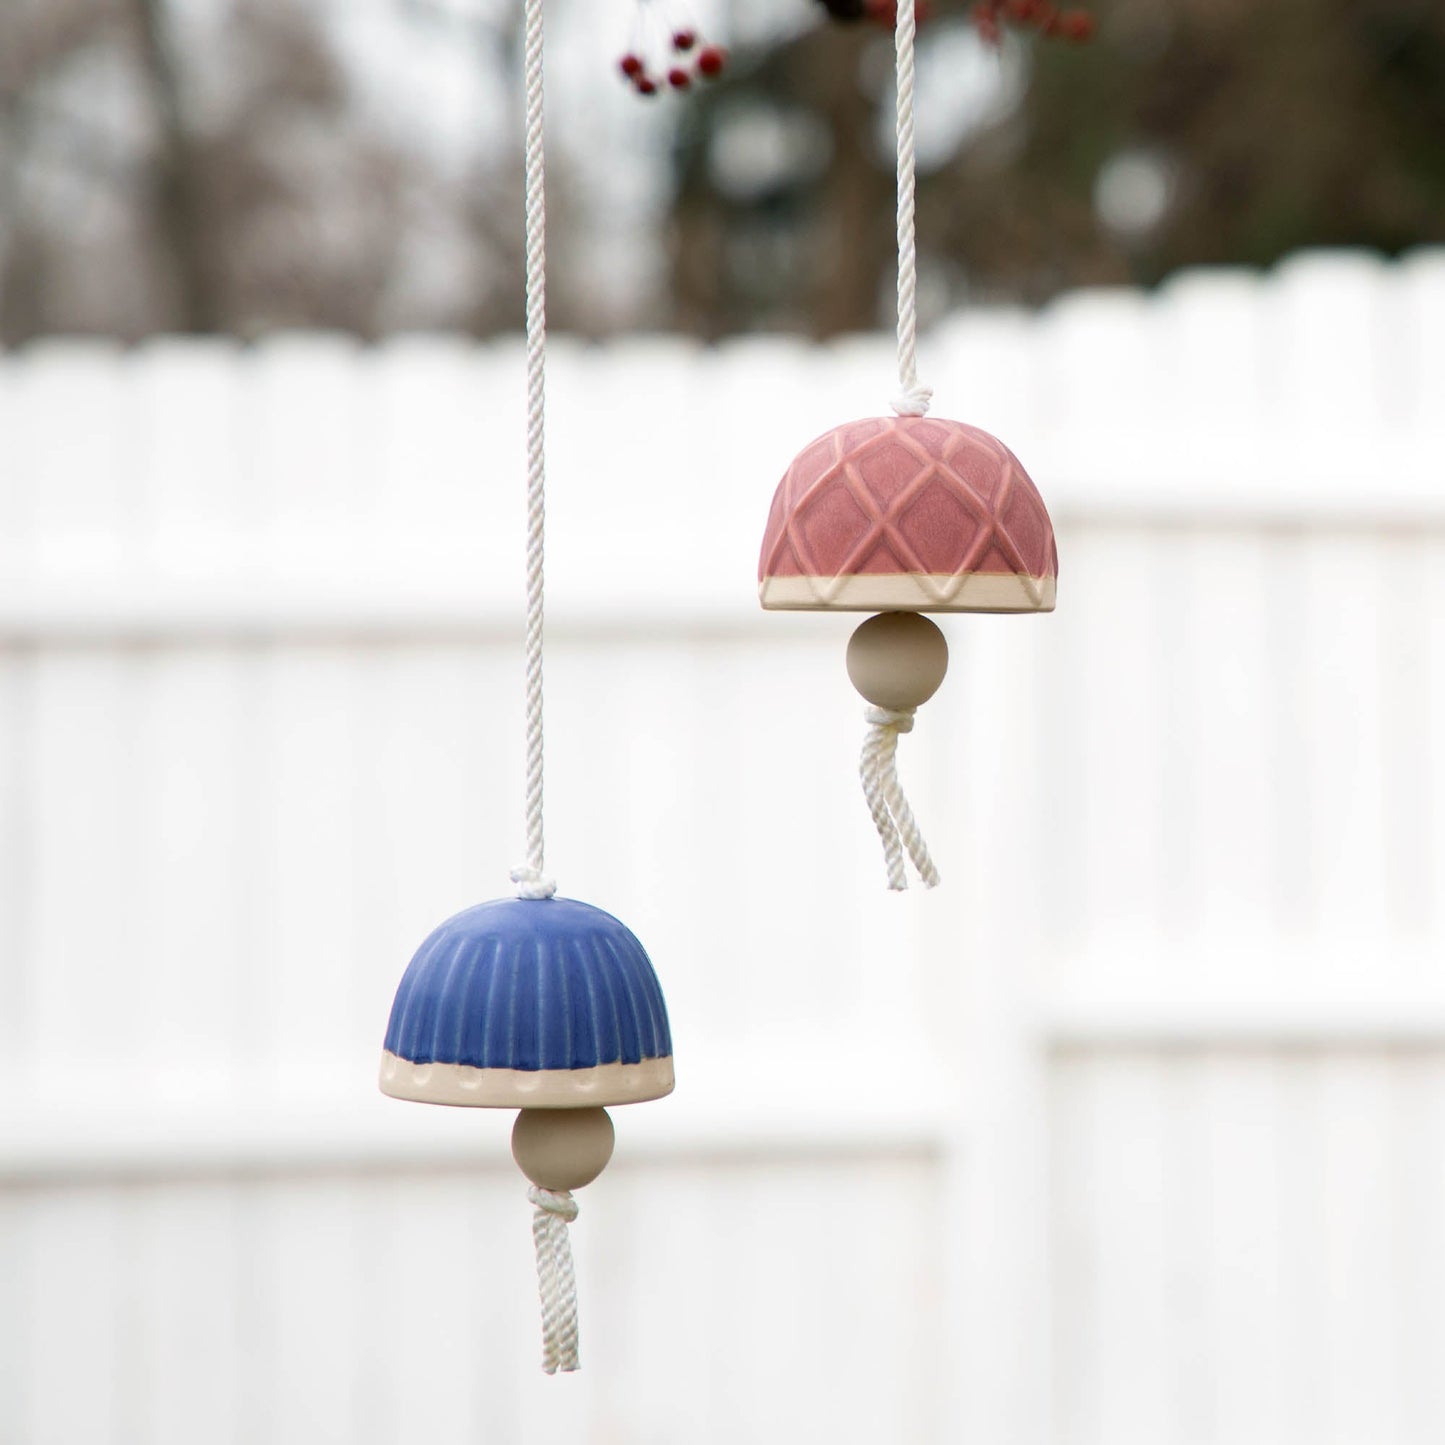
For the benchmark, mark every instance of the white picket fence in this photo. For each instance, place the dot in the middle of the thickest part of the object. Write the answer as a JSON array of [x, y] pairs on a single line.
[[1133, 1133]]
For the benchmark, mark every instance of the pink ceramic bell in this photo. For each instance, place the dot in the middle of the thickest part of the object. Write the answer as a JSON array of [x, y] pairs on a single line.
[[903, 515], [909, 514]]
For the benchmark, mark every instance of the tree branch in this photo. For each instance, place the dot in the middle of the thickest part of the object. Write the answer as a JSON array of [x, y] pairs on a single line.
[[180, 206]]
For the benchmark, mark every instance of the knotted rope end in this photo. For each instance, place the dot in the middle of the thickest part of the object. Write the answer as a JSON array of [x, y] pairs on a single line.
[[913, 402], [556, 1202], [554, 1210], [892, 817], [533, 883], [898, 719]]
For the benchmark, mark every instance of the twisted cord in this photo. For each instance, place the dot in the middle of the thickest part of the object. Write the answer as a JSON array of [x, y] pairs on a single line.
[[914, 398], [892, 816], [879, 750], [532, 880], [553, 1211]]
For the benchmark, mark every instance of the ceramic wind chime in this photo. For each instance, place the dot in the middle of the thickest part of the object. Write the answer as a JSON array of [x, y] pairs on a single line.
[[904, 515], [535, 1003]]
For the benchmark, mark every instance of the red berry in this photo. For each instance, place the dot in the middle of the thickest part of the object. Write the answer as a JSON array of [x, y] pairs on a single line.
[[631, 65], [646, 86], [684, 40], [1077, 25], [711, 59], [678, 78]]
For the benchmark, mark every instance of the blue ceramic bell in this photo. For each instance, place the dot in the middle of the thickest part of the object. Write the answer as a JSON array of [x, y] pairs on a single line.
[[535, 1003], [529, 1003], [545, 1005]]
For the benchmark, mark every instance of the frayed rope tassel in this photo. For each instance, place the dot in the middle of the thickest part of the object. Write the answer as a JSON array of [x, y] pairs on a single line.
[[556, 1281], [897, 827]]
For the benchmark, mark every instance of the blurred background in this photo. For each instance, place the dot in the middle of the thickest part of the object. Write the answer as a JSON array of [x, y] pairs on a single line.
[[247, 166], [1132, 1133]]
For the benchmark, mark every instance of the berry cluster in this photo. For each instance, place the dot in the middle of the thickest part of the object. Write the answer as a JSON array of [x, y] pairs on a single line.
[[688, 60], [990, 17], [880, 12]]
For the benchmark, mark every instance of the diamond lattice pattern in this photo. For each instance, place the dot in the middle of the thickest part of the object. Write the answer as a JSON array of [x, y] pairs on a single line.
[[916, 495]]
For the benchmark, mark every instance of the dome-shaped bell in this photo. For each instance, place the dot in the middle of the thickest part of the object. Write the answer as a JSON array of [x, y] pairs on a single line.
[[907, 514], [519, 1003]]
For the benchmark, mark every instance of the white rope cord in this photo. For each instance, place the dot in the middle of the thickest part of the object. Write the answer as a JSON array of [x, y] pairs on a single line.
[[878, 767], [897, 827], [914, 398], [554, 1210], [556, 1283], [532, 880]]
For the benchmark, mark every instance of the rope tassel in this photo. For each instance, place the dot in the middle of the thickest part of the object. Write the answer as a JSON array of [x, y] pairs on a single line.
[[892, 816], [554, 1210]]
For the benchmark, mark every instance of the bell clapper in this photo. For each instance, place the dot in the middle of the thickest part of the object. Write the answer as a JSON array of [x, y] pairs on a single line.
[[562, 1149], [897, 660], [559, 1150]]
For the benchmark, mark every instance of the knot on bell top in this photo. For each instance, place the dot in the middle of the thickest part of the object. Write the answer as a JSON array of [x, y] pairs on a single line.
[[908, 513]]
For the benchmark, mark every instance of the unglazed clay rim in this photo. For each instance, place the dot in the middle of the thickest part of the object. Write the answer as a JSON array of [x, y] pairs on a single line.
[[910, 592], [463, 1085]]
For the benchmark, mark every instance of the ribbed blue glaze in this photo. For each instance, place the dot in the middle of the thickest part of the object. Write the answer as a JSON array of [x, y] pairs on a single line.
[[521, 983]]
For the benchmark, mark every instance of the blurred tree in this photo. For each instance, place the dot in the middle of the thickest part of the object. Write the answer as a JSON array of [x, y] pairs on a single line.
[[155, 180], [36, 44], [233, 166], [1187, 132], [179, 206], [784, 209]]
